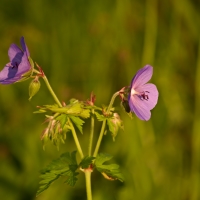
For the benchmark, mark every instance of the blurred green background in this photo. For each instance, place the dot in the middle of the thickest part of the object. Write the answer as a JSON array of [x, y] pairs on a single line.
[[84, 46]]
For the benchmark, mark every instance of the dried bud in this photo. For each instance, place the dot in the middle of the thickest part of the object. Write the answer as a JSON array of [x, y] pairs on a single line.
[[108, 177], [114, 124]]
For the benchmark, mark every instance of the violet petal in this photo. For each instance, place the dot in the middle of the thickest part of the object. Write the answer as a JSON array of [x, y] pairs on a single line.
[[142, 76], [152, 92], [24, 66], [24, 47], [139, 108], [8, 75], [13, 50]]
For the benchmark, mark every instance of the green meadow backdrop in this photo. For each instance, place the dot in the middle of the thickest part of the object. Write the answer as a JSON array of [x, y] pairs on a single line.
[[85, 46]]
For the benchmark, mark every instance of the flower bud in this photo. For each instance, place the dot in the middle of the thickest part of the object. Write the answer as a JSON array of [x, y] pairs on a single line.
[[34, 87], [45, 137], [114, 124]]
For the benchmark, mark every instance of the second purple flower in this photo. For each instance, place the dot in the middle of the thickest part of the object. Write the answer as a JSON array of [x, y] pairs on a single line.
[[143, 96]]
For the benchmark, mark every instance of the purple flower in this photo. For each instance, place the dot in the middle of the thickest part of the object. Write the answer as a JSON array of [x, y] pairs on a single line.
[[143, 96], [18, 65]]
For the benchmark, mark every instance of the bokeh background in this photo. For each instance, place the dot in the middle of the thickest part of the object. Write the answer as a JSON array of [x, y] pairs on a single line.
[[84, 46]]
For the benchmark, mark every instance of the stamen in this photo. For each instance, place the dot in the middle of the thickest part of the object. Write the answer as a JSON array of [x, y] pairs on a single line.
[[15, 65], [144, 96]]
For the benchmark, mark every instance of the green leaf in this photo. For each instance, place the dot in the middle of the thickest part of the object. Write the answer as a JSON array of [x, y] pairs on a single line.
[[66, 165], [109, 171], [78, 122], [72, 178], [76, 108], [85, 113], [40, 111], [86, 162], [100, 117], [63, 119]]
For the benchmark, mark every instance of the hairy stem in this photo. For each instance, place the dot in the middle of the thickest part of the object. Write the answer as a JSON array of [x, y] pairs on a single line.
[[91, 133], [78, 146], [51, 91], [100, 138], [48, 85], [112, 101]]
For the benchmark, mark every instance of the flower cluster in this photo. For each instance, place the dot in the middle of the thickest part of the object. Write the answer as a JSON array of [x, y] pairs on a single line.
[[139, 98]]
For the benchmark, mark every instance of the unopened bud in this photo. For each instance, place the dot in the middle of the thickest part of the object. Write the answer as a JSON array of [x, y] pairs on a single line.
[[34, 87]]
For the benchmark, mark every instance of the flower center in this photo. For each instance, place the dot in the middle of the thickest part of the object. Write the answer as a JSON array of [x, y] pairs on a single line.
[[15, 65], [142, 95]]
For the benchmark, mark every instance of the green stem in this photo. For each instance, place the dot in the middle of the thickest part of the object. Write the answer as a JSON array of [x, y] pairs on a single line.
[[48, 86], [51, 91], [91, 133], [78, 146], [100, 138], [112, 101], [104, 125], [88, 184]]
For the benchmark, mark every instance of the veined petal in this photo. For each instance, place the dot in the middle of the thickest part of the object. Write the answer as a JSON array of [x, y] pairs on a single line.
[[139, 107], [8, 75], [152, 93], [13, 50], [142, 76], [11, 74], [24, 66], [24, 47]]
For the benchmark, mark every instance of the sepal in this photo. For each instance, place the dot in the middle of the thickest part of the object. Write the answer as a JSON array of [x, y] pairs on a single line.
[[29, 73], [126, 108]]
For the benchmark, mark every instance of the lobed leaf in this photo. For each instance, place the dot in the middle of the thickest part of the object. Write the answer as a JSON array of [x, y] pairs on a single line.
[[109, 171], [63, 119], [66, 165], [100, 117], [86, 162], [75, 108], [78, 122]]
